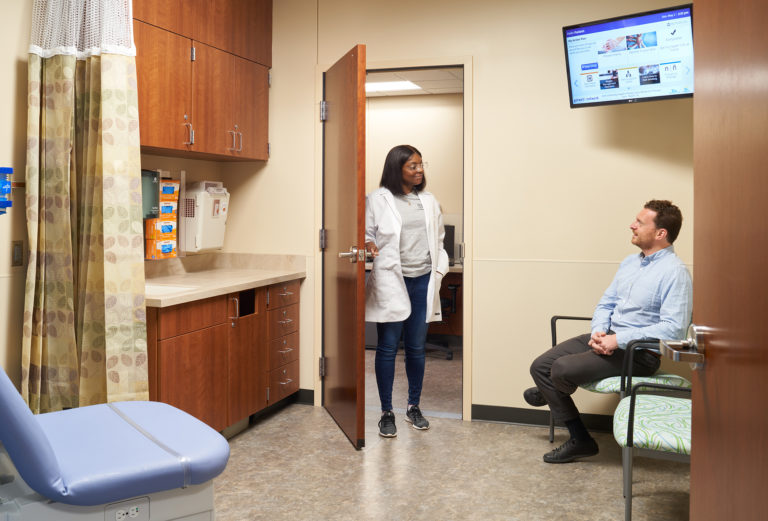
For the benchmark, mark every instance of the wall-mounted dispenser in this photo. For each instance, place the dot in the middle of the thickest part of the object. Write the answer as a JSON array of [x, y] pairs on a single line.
[[205, 210]]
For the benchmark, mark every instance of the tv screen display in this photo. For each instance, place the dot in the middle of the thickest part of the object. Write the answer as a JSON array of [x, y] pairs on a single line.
[[639, 57]]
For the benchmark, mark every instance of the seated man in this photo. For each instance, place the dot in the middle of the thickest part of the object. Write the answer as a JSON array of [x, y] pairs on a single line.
[[650, 297]]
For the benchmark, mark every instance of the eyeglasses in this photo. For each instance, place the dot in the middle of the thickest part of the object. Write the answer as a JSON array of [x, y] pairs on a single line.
[[417, 166]]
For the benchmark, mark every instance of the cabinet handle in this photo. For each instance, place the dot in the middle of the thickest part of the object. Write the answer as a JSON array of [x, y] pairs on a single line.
[[285, 293], [240, 148], [286, 321], [233, 139], [289, 380], [237, 310], [191, 134], [284, 351]]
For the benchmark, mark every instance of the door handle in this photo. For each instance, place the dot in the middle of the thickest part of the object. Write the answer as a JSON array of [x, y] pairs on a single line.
[[690, 350], [237, 310], [354, 254]]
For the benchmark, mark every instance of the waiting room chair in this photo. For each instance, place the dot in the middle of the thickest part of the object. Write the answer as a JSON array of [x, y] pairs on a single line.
[[618, 384], [651, 423], [106, 461]]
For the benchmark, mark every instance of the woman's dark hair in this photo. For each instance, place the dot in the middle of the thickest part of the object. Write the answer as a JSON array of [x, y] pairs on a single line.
[[668, 216], [392, 175]]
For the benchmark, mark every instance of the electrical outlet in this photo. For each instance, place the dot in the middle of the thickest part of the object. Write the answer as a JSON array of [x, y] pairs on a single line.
[[136, 509], [17, 253]]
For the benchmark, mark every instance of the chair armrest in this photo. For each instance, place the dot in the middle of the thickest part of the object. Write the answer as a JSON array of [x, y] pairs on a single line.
[[553, 324], [633, 397], [650, 344]]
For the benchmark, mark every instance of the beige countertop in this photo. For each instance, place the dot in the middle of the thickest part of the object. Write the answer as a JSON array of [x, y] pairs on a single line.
[[176, 281]]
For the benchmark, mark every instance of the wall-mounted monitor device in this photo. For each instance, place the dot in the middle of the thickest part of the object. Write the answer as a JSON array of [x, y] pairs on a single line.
[[639, 57]]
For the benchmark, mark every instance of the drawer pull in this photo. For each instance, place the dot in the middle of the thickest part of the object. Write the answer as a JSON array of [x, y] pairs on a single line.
[[284, 351], [286, 321], [285, 293], [289, 380]]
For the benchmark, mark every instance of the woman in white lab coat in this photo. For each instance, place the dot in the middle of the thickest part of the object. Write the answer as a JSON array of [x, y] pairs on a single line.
[[404, 233]]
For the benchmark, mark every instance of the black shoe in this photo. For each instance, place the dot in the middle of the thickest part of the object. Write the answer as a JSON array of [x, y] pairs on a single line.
[[416, 419], [534, 397], [571, 450], [387, 425]]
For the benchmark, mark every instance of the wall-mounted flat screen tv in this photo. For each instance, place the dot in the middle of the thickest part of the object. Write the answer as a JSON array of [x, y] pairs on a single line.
[[639, 57]]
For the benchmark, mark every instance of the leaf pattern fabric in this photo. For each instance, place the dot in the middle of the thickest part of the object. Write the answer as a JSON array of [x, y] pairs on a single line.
[[84, 334]]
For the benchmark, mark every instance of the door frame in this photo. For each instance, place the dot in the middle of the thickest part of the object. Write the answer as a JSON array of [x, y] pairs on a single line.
[[470, 189]]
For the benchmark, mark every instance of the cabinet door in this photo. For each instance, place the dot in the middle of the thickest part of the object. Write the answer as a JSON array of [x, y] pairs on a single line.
[[213, 94], [251, 111], [173, 15], [164, 73], [252, 30], [247, 367], [192, 374]]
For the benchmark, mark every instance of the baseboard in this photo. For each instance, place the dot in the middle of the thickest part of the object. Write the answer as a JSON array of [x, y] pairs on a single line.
[[493, 413]]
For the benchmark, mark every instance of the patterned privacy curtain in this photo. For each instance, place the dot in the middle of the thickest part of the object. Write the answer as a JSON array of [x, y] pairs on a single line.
[[84, 336]]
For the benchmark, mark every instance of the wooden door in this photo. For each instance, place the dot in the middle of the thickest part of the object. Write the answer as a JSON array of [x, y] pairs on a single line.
[[251, 111], [729, 459], [344, 222], [213, 96], [164, 75]]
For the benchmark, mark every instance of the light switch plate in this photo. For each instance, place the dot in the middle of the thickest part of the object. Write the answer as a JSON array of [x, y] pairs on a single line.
[[17, 253]]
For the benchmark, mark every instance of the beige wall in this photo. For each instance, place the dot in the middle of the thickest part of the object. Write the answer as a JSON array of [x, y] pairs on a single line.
[[553, 189], [433, 124], [14, 40]]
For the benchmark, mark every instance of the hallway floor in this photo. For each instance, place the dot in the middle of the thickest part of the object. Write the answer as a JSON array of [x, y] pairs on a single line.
[[297, 465]]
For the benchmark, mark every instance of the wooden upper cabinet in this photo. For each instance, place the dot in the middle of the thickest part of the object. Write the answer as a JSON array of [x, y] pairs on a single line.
[[164, 75], [212, 92], [252, 37], [250, 112], [173, 15]]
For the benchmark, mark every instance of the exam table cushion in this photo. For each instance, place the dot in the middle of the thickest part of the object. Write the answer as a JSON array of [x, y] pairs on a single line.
[[110, 452]]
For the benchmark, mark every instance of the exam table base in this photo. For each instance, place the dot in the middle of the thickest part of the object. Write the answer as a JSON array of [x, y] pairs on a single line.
[[18, 502]]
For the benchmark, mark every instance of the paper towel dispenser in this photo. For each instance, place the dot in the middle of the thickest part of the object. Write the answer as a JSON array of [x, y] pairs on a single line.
[[206, 206]]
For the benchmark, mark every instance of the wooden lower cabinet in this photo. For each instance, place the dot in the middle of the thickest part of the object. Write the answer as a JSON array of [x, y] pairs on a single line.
[[225, 358]]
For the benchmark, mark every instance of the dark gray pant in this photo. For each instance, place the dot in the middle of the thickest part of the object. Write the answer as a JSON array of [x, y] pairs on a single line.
[[559, 372]]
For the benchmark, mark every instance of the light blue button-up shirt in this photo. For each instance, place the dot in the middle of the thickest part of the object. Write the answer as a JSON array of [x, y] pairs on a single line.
[[650, 297]]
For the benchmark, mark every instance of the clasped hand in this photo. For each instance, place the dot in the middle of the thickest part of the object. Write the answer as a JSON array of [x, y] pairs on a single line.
[[602, 343]]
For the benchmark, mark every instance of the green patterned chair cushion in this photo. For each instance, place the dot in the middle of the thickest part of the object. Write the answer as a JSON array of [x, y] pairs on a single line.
[[612, 384], [662, 423]]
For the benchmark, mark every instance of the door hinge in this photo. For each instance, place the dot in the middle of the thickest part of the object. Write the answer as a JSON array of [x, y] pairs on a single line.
[[322, 367], [461, 252], [192, 54], [323, 238], [269, 78], [267, 394], [269, 149], [323, 110]]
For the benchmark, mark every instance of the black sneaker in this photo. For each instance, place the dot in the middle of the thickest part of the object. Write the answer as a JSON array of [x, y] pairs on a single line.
[[572, 450], [387, 425], [415, 418], [534, 397]]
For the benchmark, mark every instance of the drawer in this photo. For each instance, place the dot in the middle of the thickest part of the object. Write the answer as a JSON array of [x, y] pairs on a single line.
[[283, 381], [284, 294], [282, 321], [283, 350], [191, 316]]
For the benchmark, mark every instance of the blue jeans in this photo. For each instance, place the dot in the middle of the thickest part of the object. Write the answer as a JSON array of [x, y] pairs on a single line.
[[414, 333]]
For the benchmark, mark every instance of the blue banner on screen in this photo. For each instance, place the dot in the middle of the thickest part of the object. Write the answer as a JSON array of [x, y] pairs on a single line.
[[640, 57]]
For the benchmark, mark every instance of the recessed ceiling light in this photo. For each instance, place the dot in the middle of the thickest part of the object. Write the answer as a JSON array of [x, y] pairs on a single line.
[[387, 86]]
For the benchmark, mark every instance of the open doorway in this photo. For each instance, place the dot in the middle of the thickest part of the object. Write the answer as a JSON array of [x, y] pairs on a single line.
[[424, 107]]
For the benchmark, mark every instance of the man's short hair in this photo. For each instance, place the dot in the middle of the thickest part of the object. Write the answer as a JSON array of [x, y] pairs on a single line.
[[668, 216]]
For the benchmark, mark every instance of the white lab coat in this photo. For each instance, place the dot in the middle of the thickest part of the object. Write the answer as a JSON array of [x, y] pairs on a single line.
[[386, 298]]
